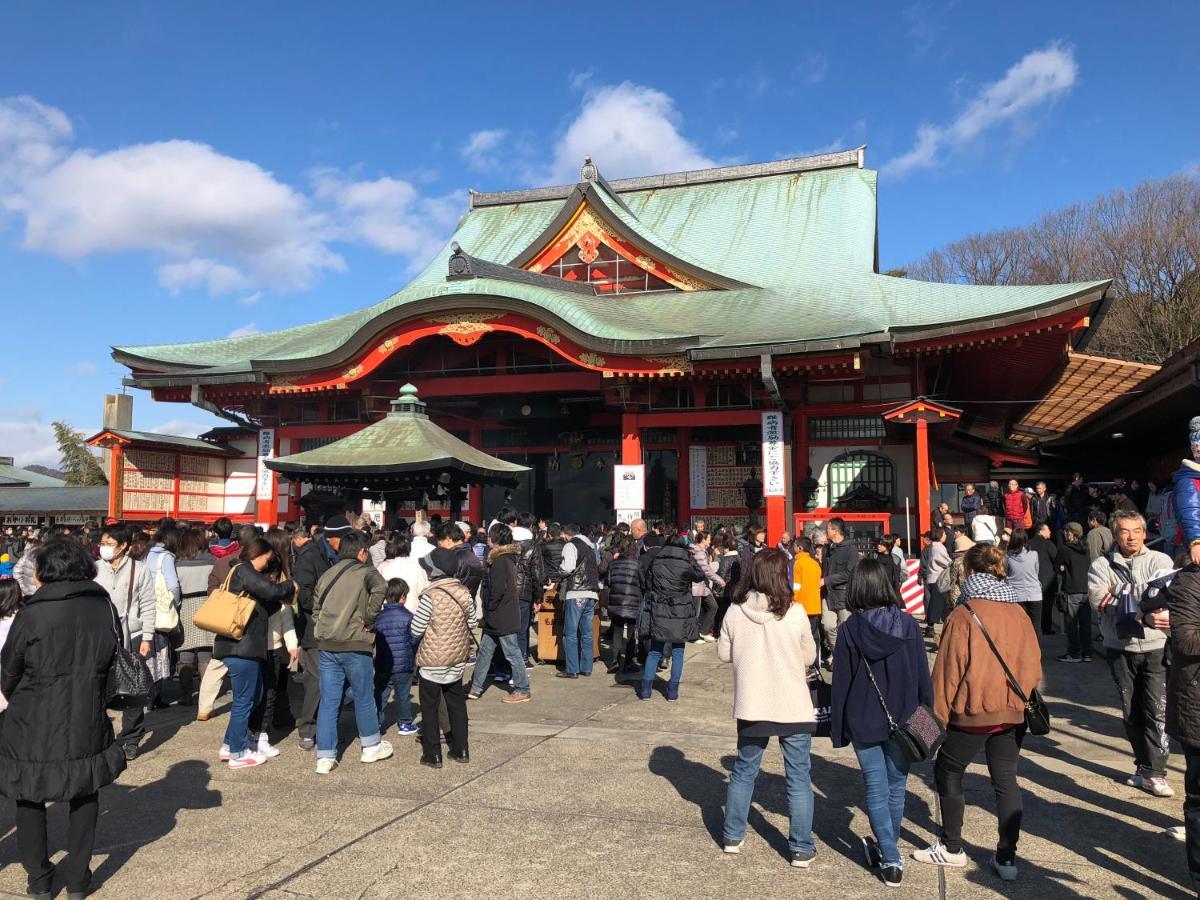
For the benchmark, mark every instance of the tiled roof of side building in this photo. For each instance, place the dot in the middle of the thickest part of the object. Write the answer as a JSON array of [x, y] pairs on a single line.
[[804, 238]]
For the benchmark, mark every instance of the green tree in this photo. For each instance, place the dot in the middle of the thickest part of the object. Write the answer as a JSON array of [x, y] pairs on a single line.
[[81, 467]]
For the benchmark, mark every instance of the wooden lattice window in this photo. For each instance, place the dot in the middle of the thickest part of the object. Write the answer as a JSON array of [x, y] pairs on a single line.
[[858, 477]]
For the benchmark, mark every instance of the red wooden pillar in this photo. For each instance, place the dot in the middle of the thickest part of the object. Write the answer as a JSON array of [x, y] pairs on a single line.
[[266, 510], [475, 491], [116, 479], [631, 440], [921, 456], [776, 519], [684, 441], [800, 462]]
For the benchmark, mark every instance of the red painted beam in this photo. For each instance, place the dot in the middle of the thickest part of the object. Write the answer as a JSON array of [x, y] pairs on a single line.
[[470, 385], [697, 418]]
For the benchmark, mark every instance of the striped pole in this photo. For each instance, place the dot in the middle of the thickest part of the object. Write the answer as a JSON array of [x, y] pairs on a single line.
[[913, 592]]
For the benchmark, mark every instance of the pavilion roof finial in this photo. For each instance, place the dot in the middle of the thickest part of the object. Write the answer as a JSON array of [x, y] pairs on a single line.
[[589, 172], [408, 403]]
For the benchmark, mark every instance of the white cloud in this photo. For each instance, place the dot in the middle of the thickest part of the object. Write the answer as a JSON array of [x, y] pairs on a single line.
[[181, 428], [244, 331], [389, 214], [82, 367], [479, 152], [31, 137], [29, 443], [250, 299], [628, 129], [217, 277], [1038, 79], [812, 69]]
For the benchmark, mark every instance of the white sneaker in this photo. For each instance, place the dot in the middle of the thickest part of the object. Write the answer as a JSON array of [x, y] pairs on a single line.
[[325, 765], [382, 750], [938, 855], [265, 748], [1136, 780], [1158, 787], [708, 639], [223, 753], [247, 760], [1176, 832], [1006, 871]]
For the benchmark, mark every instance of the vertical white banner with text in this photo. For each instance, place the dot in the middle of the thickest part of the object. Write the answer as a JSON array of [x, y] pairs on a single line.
[[774, 473], [698, 476], [266, 450]]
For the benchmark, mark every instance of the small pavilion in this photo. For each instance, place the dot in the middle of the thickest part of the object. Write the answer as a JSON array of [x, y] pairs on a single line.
[[403, 456]]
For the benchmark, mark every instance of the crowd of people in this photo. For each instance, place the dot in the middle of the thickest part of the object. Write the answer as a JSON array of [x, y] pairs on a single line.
[[350, 613]]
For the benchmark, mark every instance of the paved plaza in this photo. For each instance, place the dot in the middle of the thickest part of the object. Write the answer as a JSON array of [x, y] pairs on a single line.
[[588, 792]]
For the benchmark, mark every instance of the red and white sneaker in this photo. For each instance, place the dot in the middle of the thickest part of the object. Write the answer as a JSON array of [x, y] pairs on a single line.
[[247, 760], [223, 753]]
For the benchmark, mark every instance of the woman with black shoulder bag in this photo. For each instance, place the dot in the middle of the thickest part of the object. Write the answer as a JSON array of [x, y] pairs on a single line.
[[881, 686], [985, 689]]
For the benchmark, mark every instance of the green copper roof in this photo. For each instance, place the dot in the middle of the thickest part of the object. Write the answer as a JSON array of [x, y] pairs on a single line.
[[15, 476], [403, 445], [805, 239]]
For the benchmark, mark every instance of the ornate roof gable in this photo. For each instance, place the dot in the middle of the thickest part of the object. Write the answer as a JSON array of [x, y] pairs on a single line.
[[596, 239]]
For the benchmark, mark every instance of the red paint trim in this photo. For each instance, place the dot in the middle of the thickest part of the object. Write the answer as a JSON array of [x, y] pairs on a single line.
[[1071, 320], [478, 385]]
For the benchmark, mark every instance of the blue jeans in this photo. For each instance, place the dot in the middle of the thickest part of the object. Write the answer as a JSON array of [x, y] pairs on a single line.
[[657, 649], [510, 647], [336, 670], [400, 684], [245, 676], [577, 635], [796, 765], [885, 771]]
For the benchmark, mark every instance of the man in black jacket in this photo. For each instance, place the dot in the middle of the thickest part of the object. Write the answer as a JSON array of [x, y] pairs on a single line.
[[531, 575], [308, 565], [1047, 553], [840, 559]]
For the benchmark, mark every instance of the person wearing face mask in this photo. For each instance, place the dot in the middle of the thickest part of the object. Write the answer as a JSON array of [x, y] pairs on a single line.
[[131, 589]]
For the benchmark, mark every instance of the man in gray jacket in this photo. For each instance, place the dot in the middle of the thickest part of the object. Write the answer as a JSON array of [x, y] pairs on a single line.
[[346, 601], [1135, 653]]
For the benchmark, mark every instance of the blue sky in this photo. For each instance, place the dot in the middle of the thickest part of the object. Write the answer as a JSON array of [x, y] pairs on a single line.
[[175, 172]]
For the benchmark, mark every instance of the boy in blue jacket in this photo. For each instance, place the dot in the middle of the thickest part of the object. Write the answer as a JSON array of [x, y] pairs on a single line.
[[395, 655]]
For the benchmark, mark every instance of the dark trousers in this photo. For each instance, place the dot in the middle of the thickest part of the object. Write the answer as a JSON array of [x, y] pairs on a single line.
[[1034, 611], [431, 693], [274, 708], [1141, 680], [523, 634], [935, 605], [1049, 592], [81, 837], [191, 663], [133, 726], [624, 641], [1002, 751], [310, 677], [1191, 811], [1078, 621], [708, 613]]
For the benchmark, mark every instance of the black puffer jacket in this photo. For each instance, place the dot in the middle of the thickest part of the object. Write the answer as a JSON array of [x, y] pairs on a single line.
[[840, 560], [531, 572], [1075, 561], [308, 565], [669, 598], [501, 612], [268, 597], [625, 587], [1183, 678], [56, 742], [470, 569], [552, 557]]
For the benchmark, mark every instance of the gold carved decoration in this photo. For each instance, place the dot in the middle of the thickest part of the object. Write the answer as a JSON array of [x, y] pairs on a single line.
[[548, 334], [465, 328], [592, 359], [672, 364], [387, 345], [352, 373], [465, 318]]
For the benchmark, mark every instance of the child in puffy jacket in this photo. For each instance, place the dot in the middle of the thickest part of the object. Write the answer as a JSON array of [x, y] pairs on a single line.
[[395, 655]]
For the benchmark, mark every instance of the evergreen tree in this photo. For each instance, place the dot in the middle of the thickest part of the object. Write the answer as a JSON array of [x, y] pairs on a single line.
[[81, 467]]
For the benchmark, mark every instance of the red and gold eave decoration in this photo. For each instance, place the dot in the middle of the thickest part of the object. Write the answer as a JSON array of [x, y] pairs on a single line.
[[466, 328], [587, 230], [922, 410]]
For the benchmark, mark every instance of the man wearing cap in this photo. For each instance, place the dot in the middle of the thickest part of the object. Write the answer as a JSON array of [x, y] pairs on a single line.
[[1073, 562], [1186, 499]]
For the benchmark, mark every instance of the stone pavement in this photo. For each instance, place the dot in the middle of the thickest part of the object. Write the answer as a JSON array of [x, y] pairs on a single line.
[[588, 792]]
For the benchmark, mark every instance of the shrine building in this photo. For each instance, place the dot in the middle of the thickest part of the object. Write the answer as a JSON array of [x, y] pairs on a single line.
[[664, 321]]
